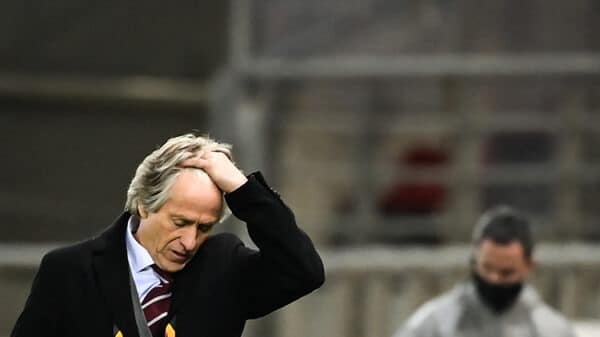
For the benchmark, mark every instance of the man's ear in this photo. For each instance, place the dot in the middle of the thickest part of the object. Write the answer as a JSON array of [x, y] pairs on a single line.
[[473, 256], [142, 212], [530, 264]]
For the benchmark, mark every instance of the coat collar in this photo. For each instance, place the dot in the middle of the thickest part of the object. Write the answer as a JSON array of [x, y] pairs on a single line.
[[112, 273], [111, 270]]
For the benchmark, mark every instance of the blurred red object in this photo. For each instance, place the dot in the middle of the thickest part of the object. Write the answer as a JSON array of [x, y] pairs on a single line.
[[425, 156], [413, 198], [409, 197]]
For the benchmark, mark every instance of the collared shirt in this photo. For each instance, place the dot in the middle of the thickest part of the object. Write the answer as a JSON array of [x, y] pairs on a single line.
[[140, 262]]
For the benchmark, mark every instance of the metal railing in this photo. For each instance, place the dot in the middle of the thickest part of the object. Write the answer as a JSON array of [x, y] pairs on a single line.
[[426, 65], [142, 89], [370, 291]]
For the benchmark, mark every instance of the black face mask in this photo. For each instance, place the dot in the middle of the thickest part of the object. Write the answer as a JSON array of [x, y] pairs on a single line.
[[498, 297]]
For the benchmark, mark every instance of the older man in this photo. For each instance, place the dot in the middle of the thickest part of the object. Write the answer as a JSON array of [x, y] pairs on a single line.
[[157, 271]]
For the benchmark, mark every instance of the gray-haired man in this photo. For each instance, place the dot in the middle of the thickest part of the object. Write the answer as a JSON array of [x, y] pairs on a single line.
[[156, 271]]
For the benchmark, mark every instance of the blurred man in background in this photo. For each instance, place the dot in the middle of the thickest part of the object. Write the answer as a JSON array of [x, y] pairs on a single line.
[[496, 301], [157, 271]]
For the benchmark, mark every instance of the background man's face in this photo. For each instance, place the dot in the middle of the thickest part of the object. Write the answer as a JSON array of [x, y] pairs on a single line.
[[173, 234], [501, 263]]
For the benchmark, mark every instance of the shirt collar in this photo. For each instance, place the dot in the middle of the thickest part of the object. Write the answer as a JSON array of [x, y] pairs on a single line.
[[138, 256]]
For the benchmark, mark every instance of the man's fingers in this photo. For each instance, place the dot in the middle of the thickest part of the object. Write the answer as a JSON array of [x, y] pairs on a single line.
[[219, 168], [196, 162], [204, 159]]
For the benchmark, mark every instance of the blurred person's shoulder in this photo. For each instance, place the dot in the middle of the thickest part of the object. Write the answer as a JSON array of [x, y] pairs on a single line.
[[548, 320], [551, 323], [439, 309]]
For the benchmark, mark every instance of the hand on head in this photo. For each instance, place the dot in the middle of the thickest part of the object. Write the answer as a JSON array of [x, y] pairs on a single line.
[[219, 168]]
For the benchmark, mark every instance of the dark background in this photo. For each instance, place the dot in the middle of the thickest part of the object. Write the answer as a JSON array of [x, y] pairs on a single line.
[[66, 159]]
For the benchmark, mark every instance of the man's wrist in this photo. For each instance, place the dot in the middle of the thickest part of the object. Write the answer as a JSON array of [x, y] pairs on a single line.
[[236, 183]]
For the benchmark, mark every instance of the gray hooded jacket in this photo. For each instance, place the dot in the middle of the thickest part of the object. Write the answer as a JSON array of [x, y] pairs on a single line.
[[460, 313]]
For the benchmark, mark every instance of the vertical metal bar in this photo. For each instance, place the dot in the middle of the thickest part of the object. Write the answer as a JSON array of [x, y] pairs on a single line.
[[465, 187], [240, 34], [363, 224], [567, 192]]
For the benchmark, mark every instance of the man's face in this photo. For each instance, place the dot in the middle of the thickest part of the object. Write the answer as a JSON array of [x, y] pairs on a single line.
[[502, 264], [173, 234]]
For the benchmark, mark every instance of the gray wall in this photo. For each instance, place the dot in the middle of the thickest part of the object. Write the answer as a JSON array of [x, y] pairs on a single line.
[[66, 166], [183, 39]]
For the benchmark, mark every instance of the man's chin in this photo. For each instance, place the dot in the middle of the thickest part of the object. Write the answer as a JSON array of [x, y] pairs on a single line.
[[172, 266]]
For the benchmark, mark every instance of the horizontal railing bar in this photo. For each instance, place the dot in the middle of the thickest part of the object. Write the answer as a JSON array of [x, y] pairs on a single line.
[[364, 258], [129, 88], [460, 65]]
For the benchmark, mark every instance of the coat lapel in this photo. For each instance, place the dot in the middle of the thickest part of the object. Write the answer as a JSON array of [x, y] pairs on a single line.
[[194, 276], [192, 289], [112, 274]]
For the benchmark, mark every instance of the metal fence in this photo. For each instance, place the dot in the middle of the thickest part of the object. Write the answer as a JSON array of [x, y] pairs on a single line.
[[513, 113], [369, 291]]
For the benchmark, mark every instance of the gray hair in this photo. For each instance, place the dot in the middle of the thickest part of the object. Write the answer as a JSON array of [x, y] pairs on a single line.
[[156, 174]]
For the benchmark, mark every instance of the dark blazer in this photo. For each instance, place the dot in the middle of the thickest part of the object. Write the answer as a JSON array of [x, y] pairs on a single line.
[[83, 290]]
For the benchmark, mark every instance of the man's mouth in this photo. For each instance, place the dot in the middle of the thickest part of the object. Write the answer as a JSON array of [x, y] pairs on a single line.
[[180, 256]]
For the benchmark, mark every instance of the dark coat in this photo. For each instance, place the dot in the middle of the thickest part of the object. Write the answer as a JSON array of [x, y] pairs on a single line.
[[83, 290]]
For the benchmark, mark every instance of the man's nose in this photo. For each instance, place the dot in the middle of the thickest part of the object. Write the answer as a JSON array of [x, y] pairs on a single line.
[[495, 278], [189, 238]]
